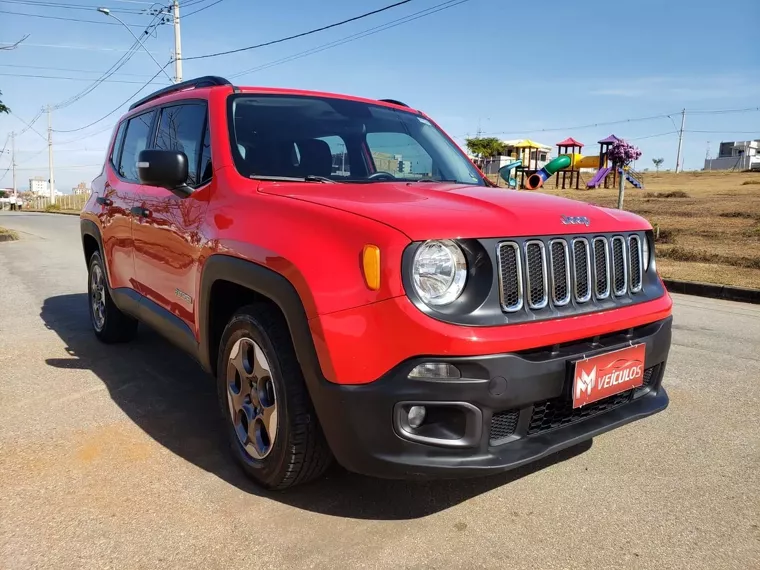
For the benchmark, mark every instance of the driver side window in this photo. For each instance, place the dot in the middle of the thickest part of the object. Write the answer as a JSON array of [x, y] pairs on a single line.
[[399, 154]]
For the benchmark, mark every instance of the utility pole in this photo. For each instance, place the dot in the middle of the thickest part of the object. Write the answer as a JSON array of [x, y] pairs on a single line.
[[680, 140], [13, 163], [177, 44], [50, 156]]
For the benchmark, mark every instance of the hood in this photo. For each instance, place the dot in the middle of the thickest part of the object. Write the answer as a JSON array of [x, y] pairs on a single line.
[[439, 211]]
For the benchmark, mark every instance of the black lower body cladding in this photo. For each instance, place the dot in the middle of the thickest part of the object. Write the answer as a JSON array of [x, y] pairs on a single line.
[[505, 411]]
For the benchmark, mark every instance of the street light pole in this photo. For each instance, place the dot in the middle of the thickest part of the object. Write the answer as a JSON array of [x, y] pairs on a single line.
[[107, 12], [177, 44]]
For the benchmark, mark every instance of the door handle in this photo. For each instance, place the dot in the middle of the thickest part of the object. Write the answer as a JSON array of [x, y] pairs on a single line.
[[104, 201], [140, 211]]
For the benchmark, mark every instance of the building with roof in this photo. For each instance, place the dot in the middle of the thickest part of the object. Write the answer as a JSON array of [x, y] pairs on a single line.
[[736, 155]]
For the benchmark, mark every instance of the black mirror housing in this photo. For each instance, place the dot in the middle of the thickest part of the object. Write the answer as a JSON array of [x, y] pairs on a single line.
[[165, 169]]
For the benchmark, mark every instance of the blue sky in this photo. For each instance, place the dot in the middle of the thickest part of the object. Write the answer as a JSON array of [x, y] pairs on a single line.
[[484, 63]]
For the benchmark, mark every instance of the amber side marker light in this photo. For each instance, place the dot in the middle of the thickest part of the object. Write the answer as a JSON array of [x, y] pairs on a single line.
[[371, 266]]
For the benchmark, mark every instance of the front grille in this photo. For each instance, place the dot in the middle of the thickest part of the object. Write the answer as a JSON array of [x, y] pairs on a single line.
[[559, 412], [503, 424], [538, 274]]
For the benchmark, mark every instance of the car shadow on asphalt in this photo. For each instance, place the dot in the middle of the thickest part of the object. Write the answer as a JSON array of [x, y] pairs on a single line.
[[166, 394]]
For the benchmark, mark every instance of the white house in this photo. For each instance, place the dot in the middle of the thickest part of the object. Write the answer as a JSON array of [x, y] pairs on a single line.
[[736, 155]]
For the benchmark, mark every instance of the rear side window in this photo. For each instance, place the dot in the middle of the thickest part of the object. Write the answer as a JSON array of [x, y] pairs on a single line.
[[136, 140], [181, 128], [116, 152]]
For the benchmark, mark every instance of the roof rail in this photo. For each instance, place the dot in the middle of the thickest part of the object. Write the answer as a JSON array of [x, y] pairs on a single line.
[[197, 83], [394, 101]]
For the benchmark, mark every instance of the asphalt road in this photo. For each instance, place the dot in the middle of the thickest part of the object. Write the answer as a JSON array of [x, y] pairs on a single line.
[[111, 457]]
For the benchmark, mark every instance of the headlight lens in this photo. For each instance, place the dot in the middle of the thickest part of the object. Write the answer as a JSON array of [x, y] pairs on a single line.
[[645, 252], [439, 272]]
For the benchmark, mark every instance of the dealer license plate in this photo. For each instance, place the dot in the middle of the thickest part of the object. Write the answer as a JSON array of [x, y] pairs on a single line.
[[608, 374]]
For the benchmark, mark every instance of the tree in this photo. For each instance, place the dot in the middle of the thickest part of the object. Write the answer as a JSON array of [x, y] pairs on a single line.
[[485, 147], [3, 108], [622, 154], [657, 163]]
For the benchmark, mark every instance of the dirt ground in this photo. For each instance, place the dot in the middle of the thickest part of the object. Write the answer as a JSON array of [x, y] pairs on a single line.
[[709, 222]]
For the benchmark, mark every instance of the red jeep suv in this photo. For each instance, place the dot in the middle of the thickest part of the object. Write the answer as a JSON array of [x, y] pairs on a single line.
[[361, 291]]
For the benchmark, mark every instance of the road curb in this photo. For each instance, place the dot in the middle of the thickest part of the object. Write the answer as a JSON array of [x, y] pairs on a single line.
[[52, 212], [726, 292]]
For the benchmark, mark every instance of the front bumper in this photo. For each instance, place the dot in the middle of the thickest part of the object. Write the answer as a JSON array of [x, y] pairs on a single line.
[[505, 411]]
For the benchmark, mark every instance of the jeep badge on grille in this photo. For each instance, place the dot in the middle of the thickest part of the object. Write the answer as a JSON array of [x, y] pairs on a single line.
[[572, 220]]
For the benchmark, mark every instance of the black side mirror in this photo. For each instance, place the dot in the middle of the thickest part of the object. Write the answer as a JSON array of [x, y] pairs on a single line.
[[165, 169]]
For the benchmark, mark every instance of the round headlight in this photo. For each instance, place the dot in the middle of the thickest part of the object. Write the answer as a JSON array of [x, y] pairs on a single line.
[[645, 252], [439, 272]]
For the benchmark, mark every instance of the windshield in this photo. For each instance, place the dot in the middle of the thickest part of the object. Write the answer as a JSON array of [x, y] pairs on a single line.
[[328, 139]]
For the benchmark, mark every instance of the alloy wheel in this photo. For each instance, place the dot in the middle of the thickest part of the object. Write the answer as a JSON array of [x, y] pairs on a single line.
[[98, 297], [252, 398]]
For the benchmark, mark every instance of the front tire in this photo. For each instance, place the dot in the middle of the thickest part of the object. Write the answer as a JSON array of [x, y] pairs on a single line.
[[108, 322], [269, 418]]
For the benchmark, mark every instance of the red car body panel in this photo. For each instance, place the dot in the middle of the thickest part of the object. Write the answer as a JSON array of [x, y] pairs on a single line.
[[359, 345]]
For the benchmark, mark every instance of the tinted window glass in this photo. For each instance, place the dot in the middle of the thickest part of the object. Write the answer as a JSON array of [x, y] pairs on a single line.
[[206, 169], [181, 128], [264, 129], [117, 144], [138, 130]]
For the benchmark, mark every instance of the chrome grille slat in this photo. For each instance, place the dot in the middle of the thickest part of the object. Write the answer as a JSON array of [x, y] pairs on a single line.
[[560, 272], [510, 277], [601, 268], [535, 274], [634, 263], [619, 266], [582, 270]]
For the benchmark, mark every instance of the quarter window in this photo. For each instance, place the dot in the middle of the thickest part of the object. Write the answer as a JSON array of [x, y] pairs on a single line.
[[136, 140], [181, 128], [116, 152]]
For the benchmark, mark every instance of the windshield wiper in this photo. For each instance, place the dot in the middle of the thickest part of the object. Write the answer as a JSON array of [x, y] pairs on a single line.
[[307, 178], [433, 180]]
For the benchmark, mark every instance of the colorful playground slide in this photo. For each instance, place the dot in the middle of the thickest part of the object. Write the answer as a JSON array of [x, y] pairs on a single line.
[[505, 173], [537, 180], [599, 177]]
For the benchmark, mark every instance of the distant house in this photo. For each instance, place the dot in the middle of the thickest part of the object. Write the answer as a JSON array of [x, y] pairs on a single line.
[[80, 189], [736, 155], [522, 149]]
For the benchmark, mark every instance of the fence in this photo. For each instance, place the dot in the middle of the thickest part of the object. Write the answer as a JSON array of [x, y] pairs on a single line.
[[66, 202]]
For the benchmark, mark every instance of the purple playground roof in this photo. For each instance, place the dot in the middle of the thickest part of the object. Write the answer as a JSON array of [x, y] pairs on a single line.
[[610, 139], [570, 141]]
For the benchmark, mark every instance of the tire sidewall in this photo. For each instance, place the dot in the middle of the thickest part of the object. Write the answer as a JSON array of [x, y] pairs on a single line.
[[270, 469], [96, 260]]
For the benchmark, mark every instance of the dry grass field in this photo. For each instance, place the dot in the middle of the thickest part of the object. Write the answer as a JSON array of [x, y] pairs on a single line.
[[709, 222]]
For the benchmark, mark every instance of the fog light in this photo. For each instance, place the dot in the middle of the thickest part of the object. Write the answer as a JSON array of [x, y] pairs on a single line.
[[435, 370], [416, 416]]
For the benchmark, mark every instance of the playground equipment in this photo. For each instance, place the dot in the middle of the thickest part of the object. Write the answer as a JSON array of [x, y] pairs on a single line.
[[504, 173], [569, 164]]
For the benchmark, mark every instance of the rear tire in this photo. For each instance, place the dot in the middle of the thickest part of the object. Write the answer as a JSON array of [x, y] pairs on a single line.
[[269, 418], [109, 323]]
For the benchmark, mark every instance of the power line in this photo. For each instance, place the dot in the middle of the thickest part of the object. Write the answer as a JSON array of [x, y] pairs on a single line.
[[88, 48], [155, 22], [757, 132], [201, 9], [143, 75], [117, 108], [67, 6], [29, 125], [74, 78], [302, 34], [79, 20], [368, 32]]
